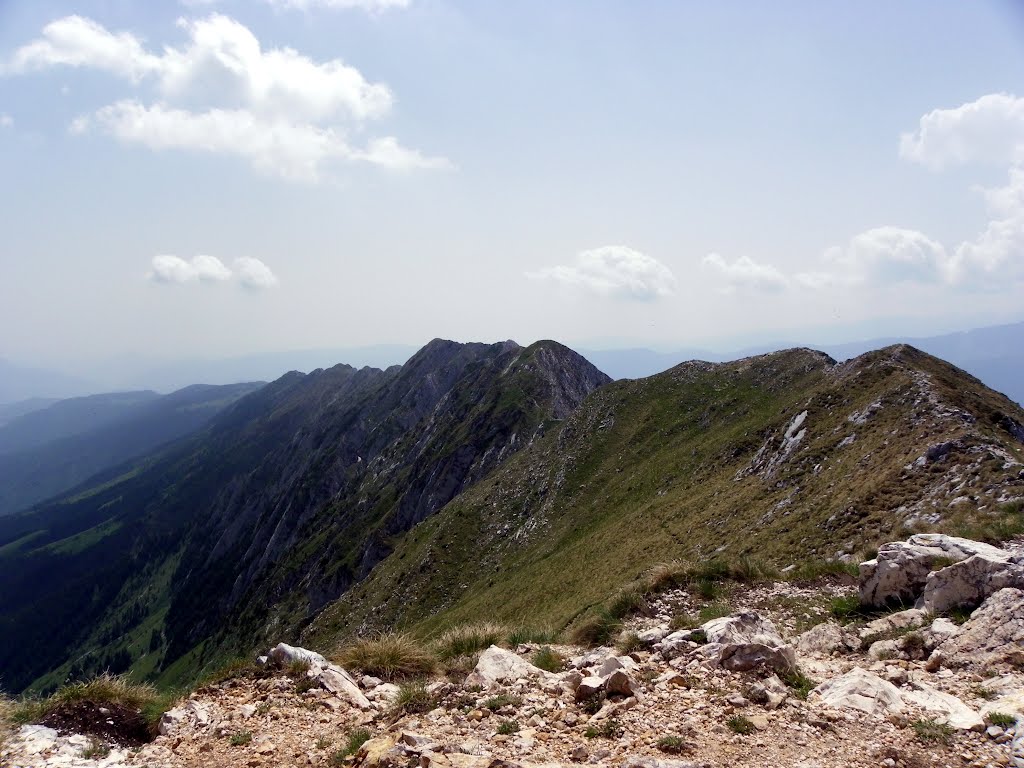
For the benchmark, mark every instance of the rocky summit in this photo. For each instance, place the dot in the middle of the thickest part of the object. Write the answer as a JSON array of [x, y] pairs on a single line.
[[786, 677]]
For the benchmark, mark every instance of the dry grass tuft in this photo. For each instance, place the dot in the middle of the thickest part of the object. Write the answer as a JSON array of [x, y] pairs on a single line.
[[393, 656], [470, 639]]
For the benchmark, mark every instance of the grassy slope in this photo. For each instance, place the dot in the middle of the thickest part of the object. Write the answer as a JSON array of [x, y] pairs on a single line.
[[661, 468]]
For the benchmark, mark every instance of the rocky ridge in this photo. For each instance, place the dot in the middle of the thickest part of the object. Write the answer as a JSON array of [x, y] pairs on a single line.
[[775, 681]]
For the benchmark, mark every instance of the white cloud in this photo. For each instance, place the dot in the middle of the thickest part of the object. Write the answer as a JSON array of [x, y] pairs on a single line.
[[998, 252], [988, 130], [201, 268], [889, 255], [6, 121], [223, 93], [614, 270], [249, 272], [295, 151], [371, 6], [745, 273], [253, 273]]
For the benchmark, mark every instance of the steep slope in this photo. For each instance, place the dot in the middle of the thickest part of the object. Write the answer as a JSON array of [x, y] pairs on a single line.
[[52, 451], [783, 457], [288, 498]]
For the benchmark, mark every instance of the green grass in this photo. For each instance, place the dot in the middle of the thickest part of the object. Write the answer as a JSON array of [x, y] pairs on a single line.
[[548, 660], [713, 611], [846, 607], [672, 745], [799, 683], [355, 741], [102, 689], [508, 727], [240, 739], [741, 725], [96, 749], [931, 732], [502, 700], [413, 698], [628, 642], [391, 656], [537, 635], [608, 729], [1001, 719], [468, 639]]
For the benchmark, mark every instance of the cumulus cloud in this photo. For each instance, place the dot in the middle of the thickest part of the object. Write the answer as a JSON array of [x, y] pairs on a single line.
[[253, 273], [249, 272], [223, 92], [614, 270], [889, 255], [201, 268], [745, 273], [987, 130], [371, 6]]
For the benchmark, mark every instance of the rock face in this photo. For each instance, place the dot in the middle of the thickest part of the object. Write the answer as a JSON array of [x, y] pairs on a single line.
[[746, 641], [937, 572], [993, 634]]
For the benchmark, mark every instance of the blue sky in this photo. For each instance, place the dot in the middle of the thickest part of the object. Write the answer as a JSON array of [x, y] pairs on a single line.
[[225, 178]]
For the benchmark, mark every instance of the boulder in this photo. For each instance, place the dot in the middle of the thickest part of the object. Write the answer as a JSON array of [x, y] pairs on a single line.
[[652, 636], [676, 644], [908, 619], [745, 641], [589, 687], [284, 654], [900, 572], [860, 689], [1017, 747], [496, 665], [340, 683], [824, 640], [618, 683], [970, 581], [994, 634]]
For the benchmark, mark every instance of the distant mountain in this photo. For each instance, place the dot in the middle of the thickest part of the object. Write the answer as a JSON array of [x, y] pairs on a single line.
[[65, 418], [285, 500], [994, 354], [9, 411], [20, 383], [52, 450]]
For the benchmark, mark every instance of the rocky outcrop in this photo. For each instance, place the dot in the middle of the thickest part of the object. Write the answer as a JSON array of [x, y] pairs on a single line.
[[860, 689], [994, 634], [746, 641], [938, 572], [496, 665]]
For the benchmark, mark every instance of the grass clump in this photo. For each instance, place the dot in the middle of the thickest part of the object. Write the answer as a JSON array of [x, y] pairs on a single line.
[[508, 727], [548, 660], [393, 656], [356, 739], [846, 607], [713, 611], [931, 732], [297, 669], [241, 738], [323, 742], [413, 698], [629, 642], [799, 683], [672, 745], [741, 725], [96, 749], [1002, 719], [469, 639], [536, 635], [502, 700], [597, 629], [682, 621], [609, 729], [813, 570]]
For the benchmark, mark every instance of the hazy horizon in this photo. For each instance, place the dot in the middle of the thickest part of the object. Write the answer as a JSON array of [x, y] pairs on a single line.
[[213, 180]]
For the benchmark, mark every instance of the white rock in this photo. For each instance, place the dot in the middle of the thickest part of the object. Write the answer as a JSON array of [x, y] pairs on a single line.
[[823, 641], [994, 633], [284, 654], [496, 665], [970, 581], [860, 689], [340, 683], [746, 640], [948, 709]]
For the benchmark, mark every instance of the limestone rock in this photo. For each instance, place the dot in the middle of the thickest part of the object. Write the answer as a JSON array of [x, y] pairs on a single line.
[[497, 665], [860, 689], [970, 581], [340, 683], [285, 654], [745, 641], [588, 687], [824, 640], [947, 708], [994, 633], [1017, 747]]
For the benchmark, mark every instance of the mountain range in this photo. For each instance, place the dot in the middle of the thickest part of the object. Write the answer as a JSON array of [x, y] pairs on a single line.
[[486, 479]]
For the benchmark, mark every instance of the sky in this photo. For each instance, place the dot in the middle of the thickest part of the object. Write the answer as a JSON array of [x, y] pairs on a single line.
[[211, 179]]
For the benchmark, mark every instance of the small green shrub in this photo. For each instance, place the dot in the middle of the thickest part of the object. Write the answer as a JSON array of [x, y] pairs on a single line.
[[356, 739], [502, 700], [672, 745], [1002, 719], [741, 725], [800, 683], [846, 607], [985, 693], [96, 749], [240, 739], [413, 698], [389, 656], [548, 660], [508, 727], [931, 732], [681, 620], [609, 729]]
